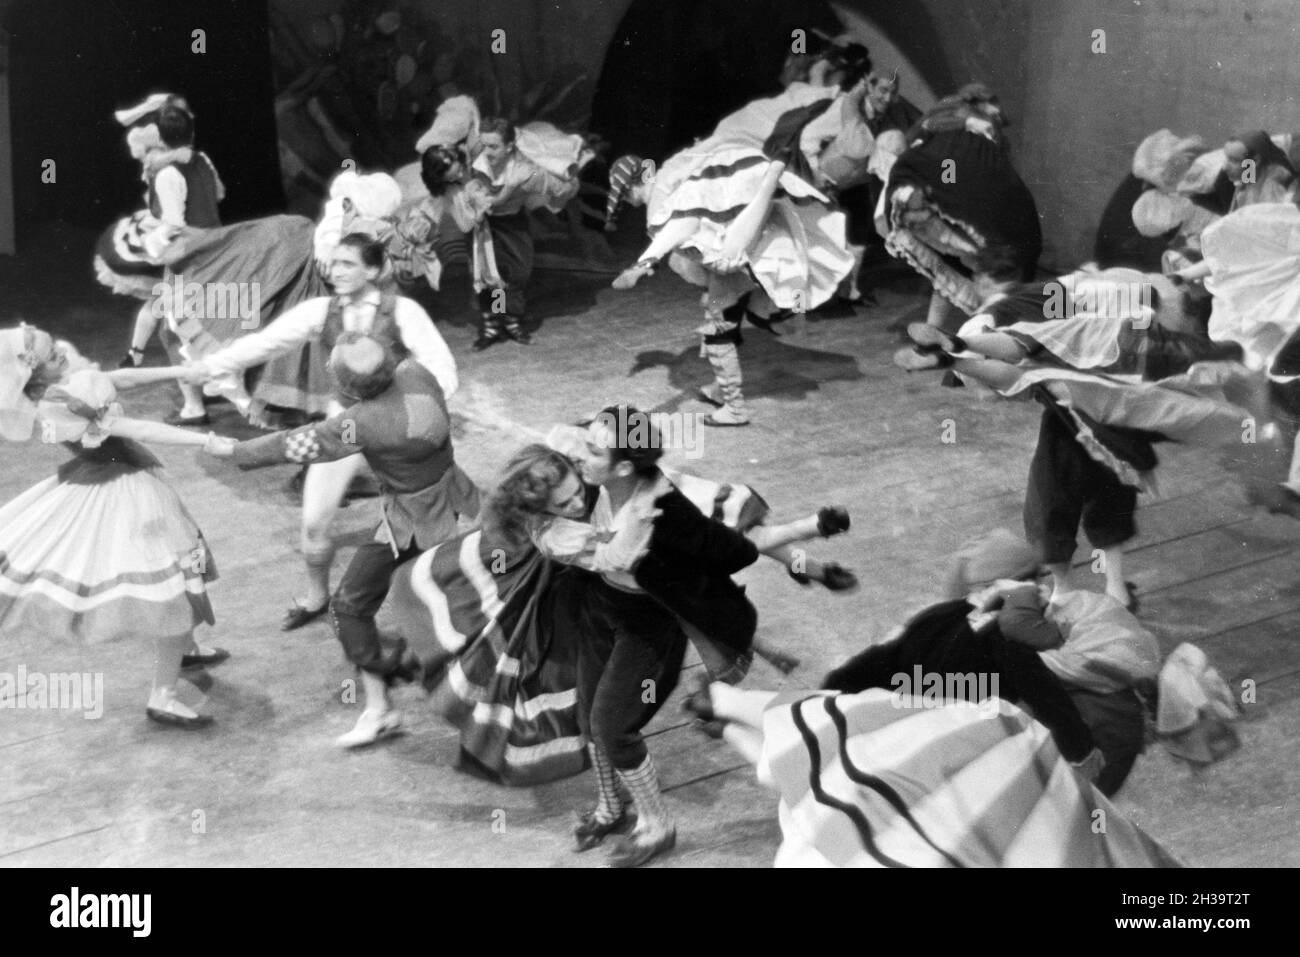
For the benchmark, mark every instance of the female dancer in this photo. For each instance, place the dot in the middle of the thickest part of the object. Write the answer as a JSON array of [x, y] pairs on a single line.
[[480, 611], [105, 549], [955, 206], [881, 779], [483, 177], [741, 214], [1251, 267]]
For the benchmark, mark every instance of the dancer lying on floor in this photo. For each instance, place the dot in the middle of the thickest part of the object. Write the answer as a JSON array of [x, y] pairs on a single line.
[[105, 549], [879, 779], [976, 648]]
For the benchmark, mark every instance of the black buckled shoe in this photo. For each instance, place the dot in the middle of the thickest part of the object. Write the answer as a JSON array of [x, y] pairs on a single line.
[[488, 336], [214, 657], [516, 331], [835, 577], [832, 520], [589, 832], [297, 616]]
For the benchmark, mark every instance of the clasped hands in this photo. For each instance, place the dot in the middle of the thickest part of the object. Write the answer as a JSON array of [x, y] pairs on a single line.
[[197, 373]]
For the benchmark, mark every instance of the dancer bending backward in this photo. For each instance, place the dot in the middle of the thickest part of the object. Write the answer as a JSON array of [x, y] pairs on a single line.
[[490, 616], [954, 205], [357, 306], [398, 422], [742, 215], [436, 212], [1111, 385], [105, 549], [504, 187]]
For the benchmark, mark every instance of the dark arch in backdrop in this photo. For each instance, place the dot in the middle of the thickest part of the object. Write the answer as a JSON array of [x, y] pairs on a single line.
[[675, 67], [74, 62]]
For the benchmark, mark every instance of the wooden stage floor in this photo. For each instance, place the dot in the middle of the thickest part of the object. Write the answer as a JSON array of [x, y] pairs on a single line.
[[835, 421]]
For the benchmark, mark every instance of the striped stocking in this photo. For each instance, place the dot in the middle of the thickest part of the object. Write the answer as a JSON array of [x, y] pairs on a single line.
[[610, 805], [643, 782]]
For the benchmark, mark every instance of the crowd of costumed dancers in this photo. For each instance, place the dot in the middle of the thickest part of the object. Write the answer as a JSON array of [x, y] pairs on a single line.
[[533, 607]]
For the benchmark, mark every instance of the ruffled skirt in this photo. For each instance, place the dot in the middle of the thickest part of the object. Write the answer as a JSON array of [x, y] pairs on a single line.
[[801, 254], [484, 628], [868, 782], [96, 562], [1254, 254]]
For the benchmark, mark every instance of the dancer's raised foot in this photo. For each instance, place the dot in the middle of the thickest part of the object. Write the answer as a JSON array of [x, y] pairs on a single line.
[[200, 657], [832, 520], [930, 338], [630, 276]]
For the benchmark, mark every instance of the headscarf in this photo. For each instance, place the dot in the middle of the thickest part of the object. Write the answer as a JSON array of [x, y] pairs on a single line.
[[150, 104], [373, 195], [17, 411], [1163, 158]]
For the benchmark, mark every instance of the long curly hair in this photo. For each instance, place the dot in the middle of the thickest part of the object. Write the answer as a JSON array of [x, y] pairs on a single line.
[[527, 483]]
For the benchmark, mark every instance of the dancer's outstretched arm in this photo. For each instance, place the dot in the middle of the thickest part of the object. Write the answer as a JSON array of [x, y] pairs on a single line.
[[159, 433], [294, 327], [134, 378]]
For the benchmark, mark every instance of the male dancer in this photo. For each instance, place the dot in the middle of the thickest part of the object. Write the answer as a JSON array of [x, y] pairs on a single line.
[[357, 305], [631, 622], [505, 187], [399, 423]]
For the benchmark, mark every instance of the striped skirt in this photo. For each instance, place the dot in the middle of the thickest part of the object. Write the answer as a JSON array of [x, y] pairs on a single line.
[[96, 562], [867, 781], [482, 623], [801, 254], [494, 632]]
